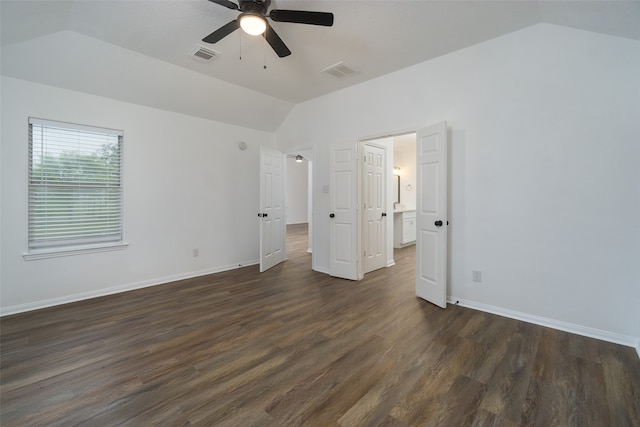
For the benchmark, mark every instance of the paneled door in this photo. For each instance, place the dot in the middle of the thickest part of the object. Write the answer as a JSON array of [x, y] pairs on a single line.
[[374, 206], [271, 215], [431, 213], [343, 220]]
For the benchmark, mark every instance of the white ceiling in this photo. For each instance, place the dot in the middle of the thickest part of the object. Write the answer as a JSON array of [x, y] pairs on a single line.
[[373, 37]]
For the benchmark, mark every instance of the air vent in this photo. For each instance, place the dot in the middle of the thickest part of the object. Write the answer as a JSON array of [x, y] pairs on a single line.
[[339, 70], [203, 54]]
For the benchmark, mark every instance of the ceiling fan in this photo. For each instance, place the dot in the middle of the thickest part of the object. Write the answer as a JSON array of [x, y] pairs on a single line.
[[253, 20]]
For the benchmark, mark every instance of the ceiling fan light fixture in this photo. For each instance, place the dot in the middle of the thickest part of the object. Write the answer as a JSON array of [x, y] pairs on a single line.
[[252, 24]]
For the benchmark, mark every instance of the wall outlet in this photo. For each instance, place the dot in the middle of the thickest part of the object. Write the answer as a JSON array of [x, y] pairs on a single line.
[[196, 252], [477, 276]]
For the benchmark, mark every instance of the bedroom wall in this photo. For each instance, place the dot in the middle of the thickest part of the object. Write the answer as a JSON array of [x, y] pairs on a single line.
[[186, 186], [544, 185], [404, 156], [297, 191]]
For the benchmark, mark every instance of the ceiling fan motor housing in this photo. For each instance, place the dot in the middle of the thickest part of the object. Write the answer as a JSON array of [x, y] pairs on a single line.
[[254, 6]]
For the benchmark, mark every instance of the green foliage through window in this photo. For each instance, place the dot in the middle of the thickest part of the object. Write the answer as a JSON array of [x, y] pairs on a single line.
[[75, 191]]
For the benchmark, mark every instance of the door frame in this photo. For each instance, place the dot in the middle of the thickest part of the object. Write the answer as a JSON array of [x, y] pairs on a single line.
[[310, 151]]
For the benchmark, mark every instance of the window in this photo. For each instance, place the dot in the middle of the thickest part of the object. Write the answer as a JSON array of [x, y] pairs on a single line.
[[75, 187]]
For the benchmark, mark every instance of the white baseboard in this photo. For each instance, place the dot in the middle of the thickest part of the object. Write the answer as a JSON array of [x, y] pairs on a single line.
[[37, 305], [320, 269], [551, 323]]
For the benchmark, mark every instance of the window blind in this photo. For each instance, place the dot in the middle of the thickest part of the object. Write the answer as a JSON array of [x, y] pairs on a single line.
[[75, 185]]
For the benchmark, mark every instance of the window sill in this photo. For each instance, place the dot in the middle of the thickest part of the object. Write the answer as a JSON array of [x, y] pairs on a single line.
[[78, 250]]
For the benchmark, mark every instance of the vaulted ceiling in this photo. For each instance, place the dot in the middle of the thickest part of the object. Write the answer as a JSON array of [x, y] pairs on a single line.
[[138, 51]]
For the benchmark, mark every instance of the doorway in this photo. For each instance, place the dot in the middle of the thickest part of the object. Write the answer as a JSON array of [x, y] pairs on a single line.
[[347, 218], [422, 218], [299, 202]]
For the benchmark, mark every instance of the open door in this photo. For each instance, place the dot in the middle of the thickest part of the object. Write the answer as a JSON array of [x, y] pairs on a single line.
[[271, 215], [374, 200], [431, 213], [343, 217]]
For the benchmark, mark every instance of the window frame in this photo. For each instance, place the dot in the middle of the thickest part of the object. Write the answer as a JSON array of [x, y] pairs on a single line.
[[80, 245]]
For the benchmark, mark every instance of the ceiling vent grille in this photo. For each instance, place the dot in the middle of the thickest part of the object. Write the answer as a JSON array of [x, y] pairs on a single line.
[[203, 54], [339, 70]]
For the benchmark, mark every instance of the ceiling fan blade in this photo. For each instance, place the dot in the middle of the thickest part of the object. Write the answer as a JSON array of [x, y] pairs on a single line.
[[222, 32], [302, 17], [276, 42], [226, 3]]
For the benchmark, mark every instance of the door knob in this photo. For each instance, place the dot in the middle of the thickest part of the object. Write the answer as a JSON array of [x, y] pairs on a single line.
[[259, 215], [438, 223], [264, 215], [384, 214], [332, 215]]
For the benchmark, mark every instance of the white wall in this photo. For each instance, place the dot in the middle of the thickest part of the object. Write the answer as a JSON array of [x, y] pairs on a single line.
[[404, 156], [297, 191], [186, 186], [544, 178], [74, 61]]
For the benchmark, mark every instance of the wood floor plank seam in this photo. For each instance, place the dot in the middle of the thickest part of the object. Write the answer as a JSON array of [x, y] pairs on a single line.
[[292, 346]]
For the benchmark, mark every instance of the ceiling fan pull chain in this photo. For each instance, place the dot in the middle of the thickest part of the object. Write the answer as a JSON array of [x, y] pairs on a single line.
[[264, 51], [241, 46]]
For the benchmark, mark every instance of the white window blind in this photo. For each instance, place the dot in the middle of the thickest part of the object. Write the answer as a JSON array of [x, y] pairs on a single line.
[[75, 185]]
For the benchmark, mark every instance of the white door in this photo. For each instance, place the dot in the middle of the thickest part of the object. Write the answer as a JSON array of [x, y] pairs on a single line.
[[431, 212], [343, 217], [374, 205], [271, 215]]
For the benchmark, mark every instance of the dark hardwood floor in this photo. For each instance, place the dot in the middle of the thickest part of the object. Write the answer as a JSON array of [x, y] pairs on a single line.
[[295, 347]]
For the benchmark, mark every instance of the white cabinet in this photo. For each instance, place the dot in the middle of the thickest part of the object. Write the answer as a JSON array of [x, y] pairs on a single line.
[[404, 228]]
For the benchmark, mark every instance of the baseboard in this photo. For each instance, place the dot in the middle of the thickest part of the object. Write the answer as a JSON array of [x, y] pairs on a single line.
[[320, 269], [551, 323], [37, 305]]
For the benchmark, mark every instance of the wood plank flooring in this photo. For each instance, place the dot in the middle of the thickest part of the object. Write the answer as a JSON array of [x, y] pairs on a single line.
[[295, 347]]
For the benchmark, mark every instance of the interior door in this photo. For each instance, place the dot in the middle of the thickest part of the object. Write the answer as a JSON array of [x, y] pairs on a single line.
[[271, 215], [431, 214], [374, 205], [343, 217]]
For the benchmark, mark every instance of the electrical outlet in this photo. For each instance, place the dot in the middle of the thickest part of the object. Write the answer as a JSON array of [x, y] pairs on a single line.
[[477, 276], [196, 252]]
